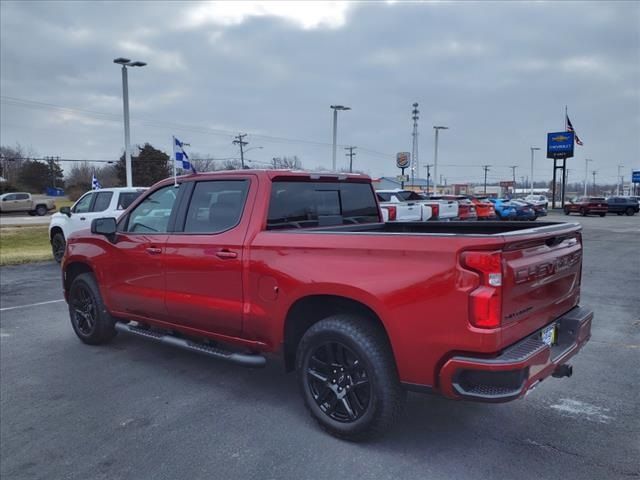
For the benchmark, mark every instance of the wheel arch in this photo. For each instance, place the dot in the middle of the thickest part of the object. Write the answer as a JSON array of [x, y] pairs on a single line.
[[72, 270], [55, 229], [309, 310]]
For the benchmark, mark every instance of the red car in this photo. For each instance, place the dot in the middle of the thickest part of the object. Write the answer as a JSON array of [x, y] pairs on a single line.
[[484, 208], [587, 206], [241, 265]]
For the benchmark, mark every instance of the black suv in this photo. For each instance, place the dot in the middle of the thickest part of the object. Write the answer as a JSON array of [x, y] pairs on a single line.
[[622, 205]]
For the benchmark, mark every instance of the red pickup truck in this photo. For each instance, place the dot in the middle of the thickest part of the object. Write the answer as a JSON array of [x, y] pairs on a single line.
[[239, 265]]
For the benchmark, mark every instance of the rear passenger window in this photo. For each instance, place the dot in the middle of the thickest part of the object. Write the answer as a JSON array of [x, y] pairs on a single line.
[[103, 199], [216, 206], [126, 198]]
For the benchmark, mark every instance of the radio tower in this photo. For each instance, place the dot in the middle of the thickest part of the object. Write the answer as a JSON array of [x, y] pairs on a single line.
[[415, 164]]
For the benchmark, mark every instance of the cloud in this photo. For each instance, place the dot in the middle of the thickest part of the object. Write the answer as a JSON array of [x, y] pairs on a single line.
[[164, 60], [306, 15]]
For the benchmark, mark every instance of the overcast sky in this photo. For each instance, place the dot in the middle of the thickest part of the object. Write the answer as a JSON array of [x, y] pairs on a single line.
[[498, 74]]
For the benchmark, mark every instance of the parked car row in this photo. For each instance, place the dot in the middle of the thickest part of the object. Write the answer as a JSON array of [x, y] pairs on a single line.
[[601, 206]]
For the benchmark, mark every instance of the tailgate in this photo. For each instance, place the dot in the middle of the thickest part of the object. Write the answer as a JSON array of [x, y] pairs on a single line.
[[409, 212], [448, 208], [541, 280]]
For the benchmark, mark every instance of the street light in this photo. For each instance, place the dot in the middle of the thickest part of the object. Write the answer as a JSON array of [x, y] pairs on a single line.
[[435, 158], [533, 149], [619, 180], [125, 62], [335, 129], [586, 174]]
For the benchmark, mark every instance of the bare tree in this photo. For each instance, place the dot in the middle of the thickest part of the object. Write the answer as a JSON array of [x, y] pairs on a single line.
[[292, 163], [203, 163], [11, 160]]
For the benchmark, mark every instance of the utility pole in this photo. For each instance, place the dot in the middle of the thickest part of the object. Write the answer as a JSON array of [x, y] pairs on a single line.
[[620, 180], [513, 170], [594, 182], [415, 164], [242, 143], [586, 173], [350, 155], [486, 169], [428, 167]]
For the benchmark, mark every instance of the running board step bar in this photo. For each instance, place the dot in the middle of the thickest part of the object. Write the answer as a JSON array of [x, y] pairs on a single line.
[[244, 359]]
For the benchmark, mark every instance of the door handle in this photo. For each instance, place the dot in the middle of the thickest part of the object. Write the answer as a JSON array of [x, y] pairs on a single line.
[[154, 250], [83, 218], [226, 254]]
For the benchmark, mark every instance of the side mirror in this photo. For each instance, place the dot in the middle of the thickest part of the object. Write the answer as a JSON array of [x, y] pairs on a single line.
[[104, 226], [66, 211]]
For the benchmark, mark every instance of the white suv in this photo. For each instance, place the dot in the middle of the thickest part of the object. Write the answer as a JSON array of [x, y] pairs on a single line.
[[106, 202]]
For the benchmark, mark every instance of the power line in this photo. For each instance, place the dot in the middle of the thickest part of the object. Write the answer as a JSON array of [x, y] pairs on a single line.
[[19, 102]]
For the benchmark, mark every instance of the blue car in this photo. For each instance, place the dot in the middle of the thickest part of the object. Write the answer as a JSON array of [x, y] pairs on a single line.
[[504, 210], [524, 211]]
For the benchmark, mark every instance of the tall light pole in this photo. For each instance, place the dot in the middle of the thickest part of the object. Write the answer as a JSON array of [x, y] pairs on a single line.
[[435, 157], [125, 62], [415, 164], [533, 149], [586, 173], [335, 130], [618, 182]]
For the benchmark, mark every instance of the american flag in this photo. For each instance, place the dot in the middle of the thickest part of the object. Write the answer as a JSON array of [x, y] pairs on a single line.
[[570, 129]]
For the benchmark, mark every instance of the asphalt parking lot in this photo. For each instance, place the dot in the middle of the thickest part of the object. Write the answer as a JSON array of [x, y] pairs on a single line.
[[138, 410]]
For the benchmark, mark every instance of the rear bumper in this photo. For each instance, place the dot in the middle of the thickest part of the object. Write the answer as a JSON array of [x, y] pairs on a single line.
[[520, 367]]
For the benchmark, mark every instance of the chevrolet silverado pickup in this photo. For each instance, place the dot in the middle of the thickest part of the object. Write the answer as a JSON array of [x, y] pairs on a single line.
[[241, 265]]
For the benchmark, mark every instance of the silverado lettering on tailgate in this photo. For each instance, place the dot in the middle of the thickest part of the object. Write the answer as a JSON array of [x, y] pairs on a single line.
[[548, 268]]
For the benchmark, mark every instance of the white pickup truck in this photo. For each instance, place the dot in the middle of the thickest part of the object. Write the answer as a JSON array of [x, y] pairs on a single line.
[[440, 209], [106, 202], [396, 210]]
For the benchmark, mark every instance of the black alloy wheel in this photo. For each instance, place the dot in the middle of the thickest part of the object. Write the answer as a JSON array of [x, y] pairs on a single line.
[[41, 210], [630, 211], [84, 310], [58, 246], [338, 382], [89, 317], [348, 377]]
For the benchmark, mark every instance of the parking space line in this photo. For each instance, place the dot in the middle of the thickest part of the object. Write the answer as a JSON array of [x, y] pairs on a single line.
[[30, 305]]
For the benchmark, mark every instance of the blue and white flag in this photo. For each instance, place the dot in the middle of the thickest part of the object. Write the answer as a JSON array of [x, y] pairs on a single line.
[[95, 184], [180, 156]]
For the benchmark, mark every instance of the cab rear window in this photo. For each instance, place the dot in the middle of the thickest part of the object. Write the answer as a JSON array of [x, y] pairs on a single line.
[[304, 204]]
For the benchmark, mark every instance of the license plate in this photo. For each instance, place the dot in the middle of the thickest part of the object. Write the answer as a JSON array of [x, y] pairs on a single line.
[[548, 335]]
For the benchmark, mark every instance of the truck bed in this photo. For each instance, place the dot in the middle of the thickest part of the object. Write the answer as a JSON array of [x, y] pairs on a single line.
[[445, 228]]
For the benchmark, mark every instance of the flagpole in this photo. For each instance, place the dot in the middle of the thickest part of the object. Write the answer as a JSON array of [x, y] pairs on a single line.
[[566, 116], [175, 177]]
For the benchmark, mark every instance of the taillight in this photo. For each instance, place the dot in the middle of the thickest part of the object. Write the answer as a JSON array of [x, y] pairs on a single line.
[[393, 213], [485, 302], [435, 210]]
